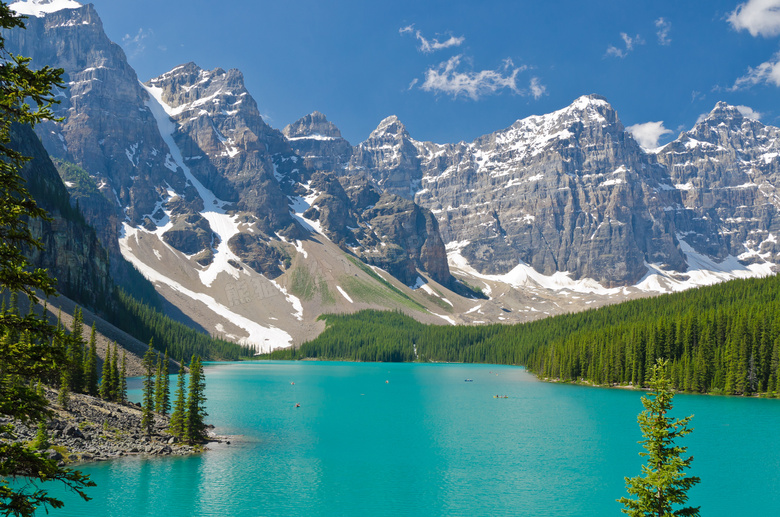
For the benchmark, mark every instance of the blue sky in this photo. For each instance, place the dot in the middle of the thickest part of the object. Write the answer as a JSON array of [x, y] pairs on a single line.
[[458, 69]]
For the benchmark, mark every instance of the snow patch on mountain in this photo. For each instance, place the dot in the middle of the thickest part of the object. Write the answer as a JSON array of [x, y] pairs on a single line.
[[40, 8], [702, 270], [299, 204], [344, 294], [264, 339], [223, 224], [292, 300], [524, 275]]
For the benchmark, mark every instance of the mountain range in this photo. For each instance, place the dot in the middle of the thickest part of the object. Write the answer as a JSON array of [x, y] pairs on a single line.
[[252, 232]]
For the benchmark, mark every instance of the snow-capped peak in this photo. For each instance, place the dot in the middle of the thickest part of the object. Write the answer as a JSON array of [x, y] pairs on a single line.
[[587, 101], [40, 8], [725, 111], [390, 125]]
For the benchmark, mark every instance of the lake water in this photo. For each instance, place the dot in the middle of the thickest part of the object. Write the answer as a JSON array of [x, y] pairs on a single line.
[[415, 439]]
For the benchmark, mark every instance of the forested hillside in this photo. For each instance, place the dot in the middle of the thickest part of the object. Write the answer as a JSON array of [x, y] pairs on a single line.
[[721, 339]]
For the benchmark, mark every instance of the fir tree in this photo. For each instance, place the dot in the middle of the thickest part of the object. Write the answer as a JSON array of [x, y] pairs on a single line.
[[147, 418], [194, 424], [63, 395], [179, 407], [41, 441], [90, 366], [158, 385], [113, 387], [76, 352], [105, 382], [123, 380], [162, 393], [663, 483]]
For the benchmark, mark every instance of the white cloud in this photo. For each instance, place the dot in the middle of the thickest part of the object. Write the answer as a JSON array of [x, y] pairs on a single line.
[[431, 45], [537, 89], [767, 72], [749, 112], [664, 27], [758, 17], [446, 78], [629, 42], [647, 134], [134, 45]]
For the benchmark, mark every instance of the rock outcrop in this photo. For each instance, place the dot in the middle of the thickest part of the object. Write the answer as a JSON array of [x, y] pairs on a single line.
[[225, 142], [107, 128], [318, 142], [90, 429], [569, 191], [383, 229], [727, 169], [71, 250]]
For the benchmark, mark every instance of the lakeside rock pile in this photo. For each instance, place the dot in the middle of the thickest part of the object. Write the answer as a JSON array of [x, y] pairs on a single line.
[[91, 429]]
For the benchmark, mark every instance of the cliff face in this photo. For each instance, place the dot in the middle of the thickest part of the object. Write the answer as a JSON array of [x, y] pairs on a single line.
[[568, 191], [71, 250], [383, 229], [318, 142], [107, 129], [727, 169], [224, 140]]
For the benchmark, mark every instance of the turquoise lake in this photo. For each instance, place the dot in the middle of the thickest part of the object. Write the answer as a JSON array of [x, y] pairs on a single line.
[[415, 439]]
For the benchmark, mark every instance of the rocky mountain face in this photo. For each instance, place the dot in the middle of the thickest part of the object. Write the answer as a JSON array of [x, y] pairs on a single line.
[[71, 251], [391, 157], [228, 147], [383, 229], [726, 170], [107, 129], [569, 191], [318, 142]]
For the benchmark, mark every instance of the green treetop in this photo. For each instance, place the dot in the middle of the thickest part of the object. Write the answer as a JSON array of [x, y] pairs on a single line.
[[123, 380], [105, 382]]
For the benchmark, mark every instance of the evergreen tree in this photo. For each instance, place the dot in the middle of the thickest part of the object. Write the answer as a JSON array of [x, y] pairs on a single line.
[[41, 442], [194, 424], [63, 395], [27, 356], [105, 382], [162, 389], [663, 483], [123, 380], [158, 385], [147, 418], [76, 353], [179, 407], [90, 366], [113, 387]]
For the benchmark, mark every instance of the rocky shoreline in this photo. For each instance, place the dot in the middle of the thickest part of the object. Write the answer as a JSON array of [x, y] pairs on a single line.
[[91, 429]]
